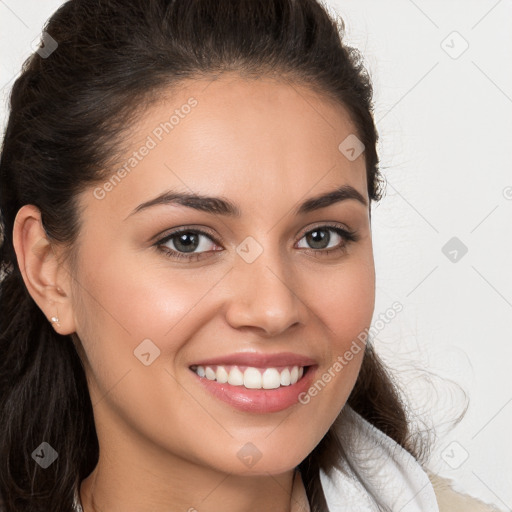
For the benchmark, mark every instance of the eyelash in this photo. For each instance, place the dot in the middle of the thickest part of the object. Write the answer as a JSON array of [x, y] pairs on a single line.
[[347, 236]]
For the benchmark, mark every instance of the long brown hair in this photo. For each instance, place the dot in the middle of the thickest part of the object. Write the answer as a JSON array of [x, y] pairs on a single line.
[[68, 109]]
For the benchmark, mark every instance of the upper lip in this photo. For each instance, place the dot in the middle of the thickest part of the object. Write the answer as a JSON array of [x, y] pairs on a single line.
[[258, 359]]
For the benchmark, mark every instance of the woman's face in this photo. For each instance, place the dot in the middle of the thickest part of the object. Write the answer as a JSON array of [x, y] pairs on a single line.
[[244, 287]]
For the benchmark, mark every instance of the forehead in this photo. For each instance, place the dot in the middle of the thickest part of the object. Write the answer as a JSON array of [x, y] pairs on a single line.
[[257, 140]]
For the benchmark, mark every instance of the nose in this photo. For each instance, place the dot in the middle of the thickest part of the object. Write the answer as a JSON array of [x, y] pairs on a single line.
[[263, 295]]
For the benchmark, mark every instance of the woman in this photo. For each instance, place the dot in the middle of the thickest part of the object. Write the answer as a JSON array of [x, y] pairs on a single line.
[[188, 269]]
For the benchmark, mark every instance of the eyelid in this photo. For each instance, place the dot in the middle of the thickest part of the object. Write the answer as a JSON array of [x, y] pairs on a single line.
[[192, 227], [325, 224]]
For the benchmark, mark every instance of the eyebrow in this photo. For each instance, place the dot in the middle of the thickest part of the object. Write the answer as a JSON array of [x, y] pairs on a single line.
[[222, 206]]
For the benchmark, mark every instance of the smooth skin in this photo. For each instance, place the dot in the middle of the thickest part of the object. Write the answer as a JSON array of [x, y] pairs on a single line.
[[166, 444]]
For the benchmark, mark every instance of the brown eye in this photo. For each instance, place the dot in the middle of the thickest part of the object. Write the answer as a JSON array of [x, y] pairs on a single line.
[[190, 244], [324, 238], [319, 238], [186, 241]]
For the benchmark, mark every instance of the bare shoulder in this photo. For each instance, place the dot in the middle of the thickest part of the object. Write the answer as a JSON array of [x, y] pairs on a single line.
[[450, 500]]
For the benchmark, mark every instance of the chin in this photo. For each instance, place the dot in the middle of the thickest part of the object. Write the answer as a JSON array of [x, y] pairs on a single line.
[[263, 458]]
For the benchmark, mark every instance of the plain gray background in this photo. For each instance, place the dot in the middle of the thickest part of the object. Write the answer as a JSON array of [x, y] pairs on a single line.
[[443, 93]]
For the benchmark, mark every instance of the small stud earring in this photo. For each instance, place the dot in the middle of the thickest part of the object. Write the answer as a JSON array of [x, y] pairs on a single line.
[[55, 320]]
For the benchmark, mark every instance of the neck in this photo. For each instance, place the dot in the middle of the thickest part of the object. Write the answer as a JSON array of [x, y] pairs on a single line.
[[135, 477]]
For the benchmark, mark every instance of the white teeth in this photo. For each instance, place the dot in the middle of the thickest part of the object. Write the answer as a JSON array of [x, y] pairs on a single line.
[[252, 378], [285, 377], [270, 379], [221, 375], [210, 374], [236, 377]]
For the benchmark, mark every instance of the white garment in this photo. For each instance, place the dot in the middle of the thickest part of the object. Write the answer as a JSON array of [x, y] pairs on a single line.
[[389, 472]]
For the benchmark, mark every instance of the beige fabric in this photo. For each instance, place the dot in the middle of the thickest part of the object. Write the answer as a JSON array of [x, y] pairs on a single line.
[[450, 500]]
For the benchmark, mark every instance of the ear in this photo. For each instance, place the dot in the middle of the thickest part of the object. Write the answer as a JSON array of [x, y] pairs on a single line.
[[47, 280]]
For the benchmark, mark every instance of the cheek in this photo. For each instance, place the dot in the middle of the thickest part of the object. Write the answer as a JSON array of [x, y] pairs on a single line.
[[344, 301], [344, 304], [137, 300], [125, 301]]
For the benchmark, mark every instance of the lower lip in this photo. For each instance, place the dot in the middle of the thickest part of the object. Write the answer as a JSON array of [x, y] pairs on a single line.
[[259, 400]]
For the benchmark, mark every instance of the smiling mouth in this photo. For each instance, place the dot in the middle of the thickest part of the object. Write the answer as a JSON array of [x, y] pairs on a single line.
[[251, 377]]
